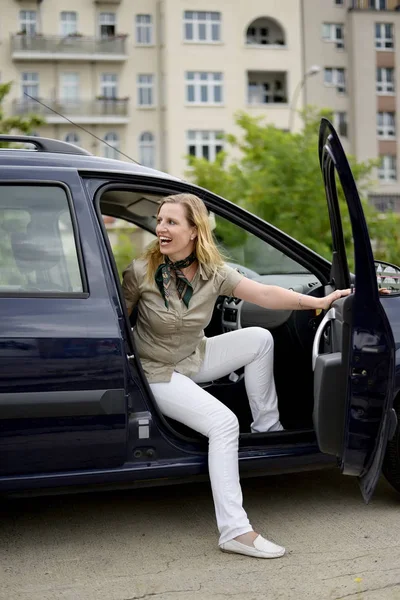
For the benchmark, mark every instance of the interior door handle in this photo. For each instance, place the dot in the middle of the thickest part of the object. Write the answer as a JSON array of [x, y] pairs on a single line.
[[330, 316]]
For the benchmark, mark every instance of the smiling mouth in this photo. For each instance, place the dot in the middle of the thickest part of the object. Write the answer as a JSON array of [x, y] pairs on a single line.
[[164, 241]]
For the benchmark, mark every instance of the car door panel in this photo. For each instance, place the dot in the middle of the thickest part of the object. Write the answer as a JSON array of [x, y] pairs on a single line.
[[63, 400], [354, 374]]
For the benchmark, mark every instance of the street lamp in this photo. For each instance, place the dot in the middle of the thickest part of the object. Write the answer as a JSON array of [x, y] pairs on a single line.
[[313, 70]]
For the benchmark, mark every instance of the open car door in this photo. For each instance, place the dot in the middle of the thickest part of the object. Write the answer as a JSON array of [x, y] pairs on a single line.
[[354, 350]]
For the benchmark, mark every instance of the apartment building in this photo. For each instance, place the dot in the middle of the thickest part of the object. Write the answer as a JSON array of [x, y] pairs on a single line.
[[160, 79], [356, 43], [157, 79]]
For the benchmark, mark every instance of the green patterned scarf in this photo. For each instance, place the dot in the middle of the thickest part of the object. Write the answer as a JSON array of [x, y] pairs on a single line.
[[183, 286]]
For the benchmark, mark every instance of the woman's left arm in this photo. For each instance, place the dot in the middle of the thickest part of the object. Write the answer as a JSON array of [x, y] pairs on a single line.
[[277, 298]]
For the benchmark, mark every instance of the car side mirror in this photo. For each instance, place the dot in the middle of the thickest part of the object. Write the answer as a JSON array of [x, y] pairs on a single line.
[[388, 275]]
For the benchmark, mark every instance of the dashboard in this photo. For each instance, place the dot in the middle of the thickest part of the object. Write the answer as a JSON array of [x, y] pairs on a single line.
[[236, 313]]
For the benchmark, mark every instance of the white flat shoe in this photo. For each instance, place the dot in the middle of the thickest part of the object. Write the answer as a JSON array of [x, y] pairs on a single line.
[[261, 548]]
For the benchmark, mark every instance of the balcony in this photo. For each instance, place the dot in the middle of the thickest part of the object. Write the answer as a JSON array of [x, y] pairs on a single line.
[[266, 88], [68, 48], [92, 112], [375, 5]]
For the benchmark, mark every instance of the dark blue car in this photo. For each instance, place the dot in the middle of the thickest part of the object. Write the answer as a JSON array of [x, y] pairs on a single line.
[[76, 411]]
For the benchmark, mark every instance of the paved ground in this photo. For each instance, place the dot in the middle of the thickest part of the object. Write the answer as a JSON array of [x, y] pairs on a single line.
[[161, 543]]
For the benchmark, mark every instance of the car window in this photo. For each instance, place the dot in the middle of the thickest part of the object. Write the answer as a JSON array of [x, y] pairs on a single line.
[[37, 243], [245, 249]]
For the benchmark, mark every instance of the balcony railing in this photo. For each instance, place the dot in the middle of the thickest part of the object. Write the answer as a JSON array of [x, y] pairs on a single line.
[[67, 45], [375, 4], [85, 108]]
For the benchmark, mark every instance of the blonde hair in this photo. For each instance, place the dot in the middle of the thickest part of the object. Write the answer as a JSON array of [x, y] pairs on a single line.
[[205, 248]]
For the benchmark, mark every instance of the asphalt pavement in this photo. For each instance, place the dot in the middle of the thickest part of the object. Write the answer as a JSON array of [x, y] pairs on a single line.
[[162, 543]]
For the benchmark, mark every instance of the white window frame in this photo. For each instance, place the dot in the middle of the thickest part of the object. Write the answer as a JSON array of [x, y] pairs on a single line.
[[28, 22], [202, 87], [200, 139], [145, 83], [259, 93], [109, 86], [337, 78], [330, 33], [107, 19], [340, 123], [69, 82], [113, 139], [387, 170], [144, 30], [72, 138], [257, 38], [29, 83], [385, 86], [68, 22], [205, 26], [386, 125], [147, 149], [382, 40]]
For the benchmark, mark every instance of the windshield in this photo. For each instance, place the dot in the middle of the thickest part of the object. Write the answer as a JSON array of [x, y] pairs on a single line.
[[243, 248]]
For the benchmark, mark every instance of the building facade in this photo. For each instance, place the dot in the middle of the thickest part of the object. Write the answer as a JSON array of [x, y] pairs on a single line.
[[161, 79], [158, 79], [355, 42]]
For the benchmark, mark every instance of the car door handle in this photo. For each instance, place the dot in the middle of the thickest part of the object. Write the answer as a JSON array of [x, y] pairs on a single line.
[[330, 316]]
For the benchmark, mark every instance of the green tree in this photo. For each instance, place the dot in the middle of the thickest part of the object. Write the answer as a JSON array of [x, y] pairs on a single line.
[[16, 124], [276, 175]]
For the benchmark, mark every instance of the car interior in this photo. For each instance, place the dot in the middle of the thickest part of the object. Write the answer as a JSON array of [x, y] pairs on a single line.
[[293, 331]]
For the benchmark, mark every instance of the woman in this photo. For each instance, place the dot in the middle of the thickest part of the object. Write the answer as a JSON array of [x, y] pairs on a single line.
[[175, 287]]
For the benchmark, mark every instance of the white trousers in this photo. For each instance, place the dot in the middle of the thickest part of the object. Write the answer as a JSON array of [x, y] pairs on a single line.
[[185, 401]]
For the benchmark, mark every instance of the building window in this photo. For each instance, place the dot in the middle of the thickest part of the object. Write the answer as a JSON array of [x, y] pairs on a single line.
[[72, 138], [109, 86], [69, 22], [27, 22], [69, 88], [340, 123], [388, 169], [30, 85], [384, 36], [333, 32], [107, 25], [203, 87], [386, 125], [200, 26], [385, 80], [111, 151], [145, 88], [377, 4], [147, 149], [339, 2], [335, 78], [144, 30], [265, 92], [204, 144]]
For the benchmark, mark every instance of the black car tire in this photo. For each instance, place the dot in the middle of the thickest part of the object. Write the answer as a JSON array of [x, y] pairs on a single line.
[[391, 463]]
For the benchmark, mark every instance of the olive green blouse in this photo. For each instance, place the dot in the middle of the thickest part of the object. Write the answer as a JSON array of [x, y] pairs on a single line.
[[169, 340]]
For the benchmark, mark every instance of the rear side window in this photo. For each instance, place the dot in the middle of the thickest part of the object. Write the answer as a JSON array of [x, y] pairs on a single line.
[[38, 250]]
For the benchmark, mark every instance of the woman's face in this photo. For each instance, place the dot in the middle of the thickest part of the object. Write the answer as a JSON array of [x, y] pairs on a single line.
[[176, 236]]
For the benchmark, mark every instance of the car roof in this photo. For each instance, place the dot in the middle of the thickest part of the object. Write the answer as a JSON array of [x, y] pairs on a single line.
[[82, 162]]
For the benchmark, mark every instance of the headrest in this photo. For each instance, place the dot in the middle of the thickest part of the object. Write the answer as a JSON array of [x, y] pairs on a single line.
[[32, 253]]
